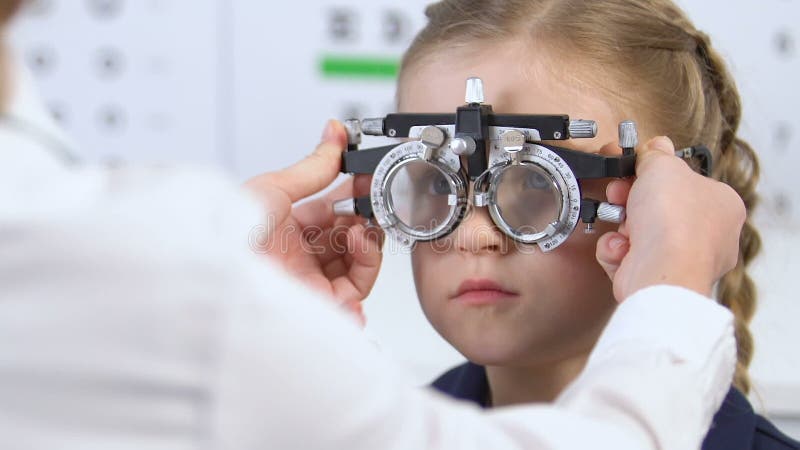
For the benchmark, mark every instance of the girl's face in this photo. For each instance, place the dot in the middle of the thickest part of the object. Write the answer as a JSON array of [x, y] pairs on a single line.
[[498, 302]]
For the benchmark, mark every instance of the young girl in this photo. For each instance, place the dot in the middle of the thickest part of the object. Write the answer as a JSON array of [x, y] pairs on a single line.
[[527, 321]]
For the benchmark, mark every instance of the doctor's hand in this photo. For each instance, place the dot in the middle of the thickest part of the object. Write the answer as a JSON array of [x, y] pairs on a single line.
[[339, 256], [681, 228]]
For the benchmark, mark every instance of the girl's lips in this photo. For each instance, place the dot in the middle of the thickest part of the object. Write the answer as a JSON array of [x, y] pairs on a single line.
[[482, 292]]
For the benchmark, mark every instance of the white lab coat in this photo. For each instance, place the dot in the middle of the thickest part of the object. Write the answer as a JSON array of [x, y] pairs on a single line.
[[134, 316]]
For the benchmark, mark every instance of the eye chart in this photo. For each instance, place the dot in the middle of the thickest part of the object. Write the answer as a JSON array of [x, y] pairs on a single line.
[[129, 80]]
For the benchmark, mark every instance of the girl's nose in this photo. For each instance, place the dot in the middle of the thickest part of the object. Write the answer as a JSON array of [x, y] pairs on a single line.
[[478, 234]]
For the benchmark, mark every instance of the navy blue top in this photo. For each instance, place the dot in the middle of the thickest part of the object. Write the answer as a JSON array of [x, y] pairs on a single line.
[[735, 427]]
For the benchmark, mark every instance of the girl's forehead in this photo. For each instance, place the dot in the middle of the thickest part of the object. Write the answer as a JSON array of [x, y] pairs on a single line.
[[511, 84], [511, 87]]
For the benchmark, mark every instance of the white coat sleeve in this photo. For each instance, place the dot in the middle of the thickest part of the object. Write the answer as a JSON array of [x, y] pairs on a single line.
[[308, 380], [134, 316]]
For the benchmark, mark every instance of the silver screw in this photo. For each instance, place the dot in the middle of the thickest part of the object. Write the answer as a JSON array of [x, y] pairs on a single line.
[[433, 137], [372, 127], [628, 136], [610, 213], [512, 141], [465, 146], [474, 90], [353, 127], [584, 129], [346, 207]]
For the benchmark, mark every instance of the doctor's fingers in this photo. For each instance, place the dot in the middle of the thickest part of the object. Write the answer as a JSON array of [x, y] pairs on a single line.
[[655, 148], [337, 244], [617, 191], [311, 175], [319, 212], [611, 250], [276, 205], [363, 266]]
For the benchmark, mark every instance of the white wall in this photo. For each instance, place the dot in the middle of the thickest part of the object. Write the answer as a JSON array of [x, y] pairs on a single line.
[[237, 83]]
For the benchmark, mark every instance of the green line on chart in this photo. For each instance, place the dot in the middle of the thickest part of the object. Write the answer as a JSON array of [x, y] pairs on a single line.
[[359, 67]]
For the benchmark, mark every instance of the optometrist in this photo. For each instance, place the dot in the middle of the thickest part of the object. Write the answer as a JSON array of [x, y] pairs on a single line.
[[134, 314]]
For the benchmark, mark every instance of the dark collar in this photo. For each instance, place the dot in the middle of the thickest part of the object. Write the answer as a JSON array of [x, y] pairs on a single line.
[[735, 426], [465, 382]]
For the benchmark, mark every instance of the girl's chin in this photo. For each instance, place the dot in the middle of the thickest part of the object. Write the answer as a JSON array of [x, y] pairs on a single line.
[[482, 355]]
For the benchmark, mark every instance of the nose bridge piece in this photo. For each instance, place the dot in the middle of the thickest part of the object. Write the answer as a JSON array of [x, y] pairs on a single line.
[[479, 200], [478, 192]]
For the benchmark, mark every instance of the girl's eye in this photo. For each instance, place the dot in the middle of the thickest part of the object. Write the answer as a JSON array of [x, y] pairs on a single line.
[[438, 185], [535, 180]]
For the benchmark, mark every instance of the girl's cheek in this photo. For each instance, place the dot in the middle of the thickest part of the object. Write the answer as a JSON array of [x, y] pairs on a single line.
[[426, 260], [420, 266]]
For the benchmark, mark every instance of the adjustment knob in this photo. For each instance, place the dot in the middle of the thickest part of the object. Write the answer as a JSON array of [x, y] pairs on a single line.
[[346, 207], [474, 90], [610, 213], [512, 141], [582, 129], [433, 137], [463, 146], [628, 136], [353, 127], [372, 127]]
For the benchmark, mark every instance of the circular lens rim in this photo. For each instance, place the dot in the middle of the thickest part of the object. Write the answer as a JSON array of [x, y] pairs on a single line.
[[455, 212], [439, 231], [499, 220]]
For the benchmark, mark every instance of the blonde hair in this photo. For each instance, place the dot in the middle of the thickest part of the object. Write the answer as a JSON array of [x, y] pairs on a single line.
[[675, 77]]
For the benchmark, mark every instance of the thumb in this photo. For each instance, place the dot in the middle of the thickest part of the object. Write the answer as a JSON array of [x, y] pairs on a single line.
[[314, 173], [654, 148]]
